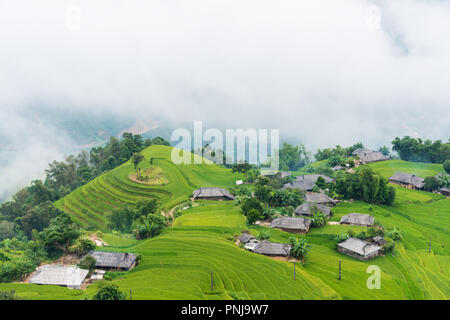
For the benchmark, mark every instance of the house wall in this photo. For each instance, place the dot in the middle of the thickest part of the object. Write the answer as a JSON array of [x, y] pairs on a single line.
[[293, 230], [404, 185], [356, 224], [358, 256], [212, 198]]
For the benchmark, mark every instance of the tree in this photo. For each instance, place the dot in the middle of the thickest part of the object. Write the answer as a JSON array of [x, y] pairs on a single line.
[[395, 234], [109, 292], [148, 227], [6, 230], [60, 235], [137, 158], [241, 167], [431, 184], [446, 166], [121, 219], [251, 203], [293, 157], [299, 248]]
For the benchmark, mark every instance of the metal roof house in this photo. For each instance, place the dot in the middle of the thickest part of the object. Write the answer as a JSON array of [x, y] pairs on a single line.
[[320, 198], [307, 209], [68, 276], [407, 180], [358, 219], [367, 156], [307, 182], [114, 260], [273, 249], [212, 194], [290, 224], [359, 249]]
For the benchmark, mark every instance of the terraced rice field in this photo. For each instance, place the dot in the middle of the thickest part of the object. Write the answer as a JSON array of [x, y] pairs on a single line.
[[178, 263], [89, 204]]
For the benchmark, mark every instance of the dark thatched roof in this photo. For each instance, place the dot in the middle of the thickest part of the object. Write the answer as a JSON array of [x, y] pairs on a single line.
[[272, 248], [358, 219], [307, 182], [291, 223], [212, 193], [113, 259], [406, 178], [246, 238], [307, 209], [319, 197], [367, 156]]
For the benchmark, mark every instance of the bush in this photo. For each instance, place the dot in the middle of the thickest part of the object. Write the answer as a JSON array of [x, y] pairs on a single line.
[[362, 235], [388, 247], [253, 215], [395, 234], [109, 292], [263, 235], [8, 295], [318, 219], [342, 236]]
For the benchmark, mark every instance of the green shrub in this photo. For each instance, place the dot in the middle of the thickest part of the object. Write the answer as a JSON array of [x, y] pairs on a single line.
[[109, 292], [88, 263], [263, 235], [253, 215]]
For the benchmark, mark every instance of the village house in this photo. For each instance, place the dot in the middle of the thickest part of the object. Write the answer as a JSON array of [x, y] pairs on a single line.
[[445, 191], [71, 277], [114, 260], [379, 240], [272, 249], [407, 180], [306, 182], [319, 198], [358, 219], [245, 238], [309, 208], [337, 168], [212, 194], [290, 224], [359, 249], [366, 156]]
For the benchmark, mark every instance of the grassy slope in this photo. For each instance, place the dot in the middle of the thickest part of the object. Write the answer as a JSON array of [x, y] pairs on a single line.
[[388, 168], [177, 264], [89, 204]]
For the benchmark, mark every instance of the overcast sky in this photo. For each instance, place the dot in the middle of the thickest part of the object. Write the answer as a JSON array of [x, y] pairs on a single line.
[[324, 72]]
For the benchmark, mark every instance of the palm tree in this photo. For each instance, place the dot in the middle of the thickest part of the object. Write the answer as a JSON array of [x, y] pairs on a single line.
[[137, 158], [299, 248]]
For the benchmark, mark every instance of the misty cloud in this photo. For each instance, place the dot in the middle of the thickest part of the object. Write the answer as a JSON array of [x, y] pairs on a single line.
[[324, 72]]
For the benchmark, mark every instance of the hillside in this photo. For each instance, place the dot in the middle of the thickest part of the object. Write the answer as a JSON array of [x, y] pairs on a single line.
[[177, 264], [89, 204]]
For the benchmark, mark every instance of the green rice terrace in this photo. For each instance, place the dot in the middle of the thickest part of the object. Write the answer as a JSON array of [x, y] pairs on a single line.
[[177, 264]]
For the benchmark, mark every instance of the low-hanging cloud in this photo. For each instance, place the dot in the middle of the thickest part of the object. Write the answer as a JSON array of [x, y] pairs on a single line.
[[325, 72]]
